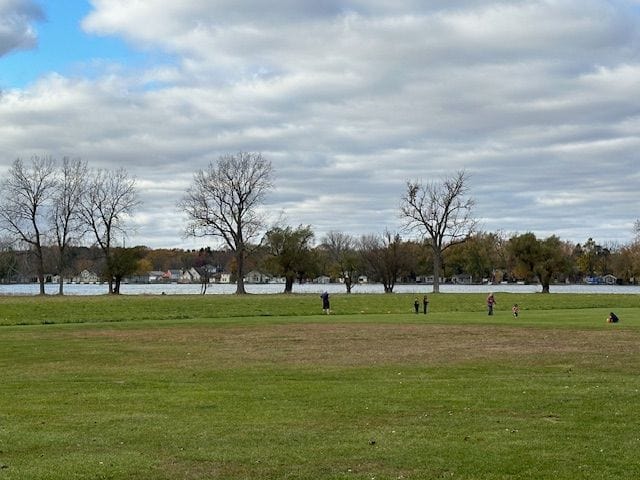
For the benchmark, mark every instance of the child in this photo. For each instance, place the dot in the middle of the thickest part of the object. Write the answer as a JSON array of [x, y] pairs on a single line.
[[612, 318], [515, 309]]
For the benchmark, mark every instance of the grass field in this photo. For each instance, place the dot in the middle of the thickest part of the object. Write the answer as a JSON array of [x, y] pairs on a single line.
[[264, 387]]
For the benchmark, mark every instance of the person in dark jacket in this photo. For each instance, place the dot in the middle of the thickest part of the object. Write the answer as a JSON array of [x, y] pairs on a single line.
[[325, 302], [612, 318]]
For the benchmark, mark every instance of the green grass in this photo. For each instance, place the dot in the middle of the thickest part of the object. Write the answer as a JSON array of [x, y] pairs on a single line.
[[225, 308], [264, 387]]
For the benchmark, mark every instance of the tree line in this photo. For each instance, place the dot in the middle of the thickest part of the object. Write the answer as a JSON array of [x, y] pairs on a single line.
[[47, 207], [50, 211]]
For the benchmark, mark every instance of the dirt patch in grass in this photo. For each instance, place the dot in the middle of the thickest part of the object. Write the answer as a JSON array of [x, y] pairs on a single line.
[[370, 344]]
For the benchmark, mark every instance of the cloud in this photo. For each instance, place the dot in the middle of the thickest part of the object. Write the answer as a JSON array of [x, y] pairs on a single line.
[[16, 25], [350, 99]]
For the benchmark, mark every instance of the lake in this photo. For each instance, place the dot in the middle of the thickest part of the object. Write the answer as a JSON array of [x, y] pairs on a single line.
[[310, 288]]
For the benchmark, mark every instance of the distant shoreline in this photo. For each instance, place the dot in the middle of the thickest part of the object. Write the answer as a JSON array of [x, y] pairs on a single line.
[[309, 288]]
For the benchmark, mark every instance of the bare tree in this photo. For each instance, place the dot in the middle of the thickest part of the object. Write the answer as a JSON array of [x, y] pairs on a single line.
[[65, 219], [441, 213], [384, 257], [109, 199], [341, 249], [223, 202], [25, 193]]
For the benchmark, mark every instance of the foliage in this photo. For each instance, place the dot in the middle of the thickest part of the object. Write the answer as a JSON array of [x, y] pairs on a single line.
[[384, 258], [539, 258], [344, 262], [480, 256], [290, 253], [121, 263]]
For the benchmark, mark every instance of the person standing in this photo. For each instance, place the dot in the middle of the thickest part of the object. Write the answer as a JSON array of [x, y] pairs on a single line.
[[491, 301], [325, 302], [416, 305], [425, 304], [515, 310]]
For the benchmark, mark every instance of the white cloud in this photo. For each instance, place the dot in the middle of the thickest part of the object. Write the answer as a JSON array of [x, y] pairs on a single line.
[[536, 99]]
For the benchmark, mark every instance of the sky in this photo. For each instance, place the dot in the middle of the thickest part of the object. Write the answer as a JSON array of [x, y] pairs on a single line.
[[538, 101]]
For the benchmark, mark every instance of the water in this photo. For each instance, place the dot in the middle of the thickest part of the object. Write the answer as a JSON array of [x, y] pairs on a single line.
[[310, 288]]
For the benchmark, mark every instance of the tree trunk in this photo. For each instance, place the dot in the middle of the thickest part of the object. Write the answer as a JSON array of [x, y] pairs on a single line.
[[288, 284], [348, 284], [437, 266], [61, 285], [40, 268], [545, 281], [240, 264]]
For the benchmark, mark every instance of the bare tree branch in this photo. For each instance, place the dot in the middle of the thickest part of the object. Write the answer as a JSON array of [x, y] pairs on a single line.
[[441, 214], [223, 202], [23, 215]]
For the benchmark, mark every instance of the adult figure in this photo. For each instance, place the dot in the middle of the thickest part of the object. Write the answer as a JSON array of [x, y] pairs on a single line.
[[425, 304], [491, 301], [325, 302]]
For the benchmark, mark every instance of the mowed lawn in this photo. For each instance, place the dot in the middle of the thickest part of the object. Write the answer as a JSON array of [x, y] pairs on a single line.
[[265, 387]]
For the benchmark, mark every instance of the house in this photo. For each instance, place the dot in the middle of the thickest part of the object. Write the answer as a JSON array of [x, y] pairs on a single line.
[[462, 279], [225, 278], [86, 277], [156, 276], [428, 279], [189, 275], [173, 275], [323, 279], [254, 276], [603, 280]]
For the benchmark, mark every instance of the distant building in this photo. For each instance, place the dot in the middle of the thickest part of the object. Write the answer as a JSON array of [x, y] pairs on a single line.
[[462, 279], [190, 275], [86, 276], [254, 276]]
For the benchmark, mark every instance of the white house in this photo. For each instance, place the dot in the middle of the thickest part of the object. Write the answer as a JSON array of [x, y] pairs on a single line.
[[189, 275], [255, 276], [86, 277], [462, 279]]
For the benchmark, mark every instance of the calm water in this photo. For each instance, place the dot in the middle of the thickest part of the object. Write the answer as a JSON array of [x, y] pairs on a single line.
[[176, 289]]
